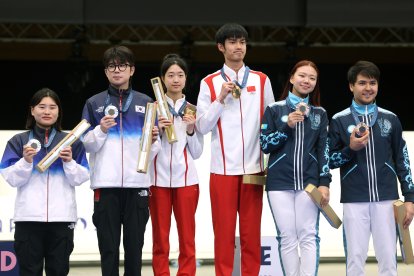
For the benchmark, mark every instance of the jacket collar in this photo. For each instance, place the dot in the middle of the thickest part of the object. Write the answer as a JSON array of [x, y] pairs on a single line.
[[363, 109], [116, 92]]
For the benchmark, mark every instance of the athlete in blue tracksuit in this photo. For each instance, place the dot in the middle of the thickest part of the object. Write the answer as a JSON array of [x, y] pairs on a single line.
[[45, 210], [297, 143], [370, 162], [120, 192]]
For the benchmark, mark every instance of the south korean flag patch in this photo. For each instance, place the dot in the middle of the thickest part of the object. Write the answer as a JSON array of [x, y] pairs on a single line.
[[140, 109]]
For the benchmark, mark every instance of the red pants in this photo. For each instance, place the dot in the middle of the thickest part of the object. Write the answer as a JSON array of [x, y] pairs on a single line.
[[183, 201], [230, 196]]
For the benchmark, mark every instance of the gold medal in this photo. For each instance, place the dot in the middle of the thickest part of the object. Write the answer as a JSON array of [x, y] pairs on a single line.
[[236, 92], [190, 109]]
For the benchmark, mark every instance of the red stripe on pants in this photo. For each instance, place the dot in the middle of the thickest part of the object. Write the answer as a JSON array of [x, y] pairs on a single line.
[[183, 202], [228, 197]]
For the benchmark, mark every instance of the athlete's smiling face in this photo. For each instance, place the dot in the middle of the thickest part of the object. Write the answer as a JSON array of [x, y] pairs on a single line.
[[45, 113], [303, 81], [365, 89]]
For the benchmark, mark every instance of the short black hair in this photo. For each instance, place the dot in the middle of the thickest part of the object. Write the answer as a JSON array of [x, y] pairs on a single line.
[[365, 68], [230, 30], [36, 99], [120, 54]]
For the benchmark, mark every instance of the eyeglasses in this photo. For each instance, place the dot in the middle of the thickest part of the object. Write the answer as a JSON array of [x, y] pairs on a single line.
[[112, 67]]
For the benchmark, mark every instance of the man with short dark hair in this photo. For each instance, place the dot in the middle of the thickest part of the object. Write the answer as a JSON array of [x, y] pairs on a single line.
[[366, 143], [230, 104], [121, 194]]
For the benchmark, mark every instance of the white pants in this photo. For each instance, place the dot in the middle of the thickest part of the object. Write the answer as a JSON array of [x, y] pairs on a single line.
[[297, 224], [362, 219]]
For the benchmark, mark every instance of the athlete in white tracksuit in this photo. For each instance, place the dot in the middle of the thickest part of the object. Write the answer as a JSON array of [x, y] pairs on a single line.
[[175, 181], [235, 150], [121, 194], [45, 211]]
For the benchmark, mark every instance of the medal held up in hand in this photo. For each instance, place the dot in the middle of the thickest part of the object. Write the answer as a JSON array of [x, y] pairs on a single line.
[[111, 110], [236, 92], [303, 108], [190, 109], [361, 128], [35, 144], [237, 89]]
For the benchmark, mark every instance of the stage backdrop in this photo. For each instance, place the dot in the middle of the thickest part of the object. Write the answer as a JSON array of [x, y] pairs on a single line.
[[86, 247]]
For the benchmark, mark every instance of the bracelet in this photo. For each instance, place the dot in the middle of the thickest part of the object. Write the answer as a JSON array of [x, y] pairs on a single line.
[[190, 134]]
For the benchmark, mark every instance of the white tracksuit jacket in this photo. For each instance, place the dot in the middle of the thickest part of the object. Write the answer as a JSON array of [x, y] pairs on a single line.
[[174, 165], [48, 196], [235, 126]]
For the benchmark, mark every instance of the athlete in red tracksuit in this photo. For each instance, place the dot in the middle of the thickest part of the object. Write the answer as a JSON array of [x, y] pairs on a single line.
[[175, 181], [235, 150]]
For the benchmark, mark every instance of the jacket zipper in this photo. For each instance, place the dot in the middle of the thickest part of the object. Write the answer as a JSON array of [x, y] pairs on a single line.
[[171, 156], [47, 179], [122, 138]]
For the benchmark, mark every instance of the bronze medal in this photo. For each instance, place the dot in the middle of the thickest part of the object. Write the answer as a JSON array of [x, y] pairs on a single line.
[[361, 128], [303, 108]]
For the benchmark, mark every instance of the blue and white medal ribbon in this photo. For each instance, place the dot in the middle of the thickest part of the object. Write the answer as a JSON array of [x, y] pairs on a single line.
[[236, 92], [360, 125]]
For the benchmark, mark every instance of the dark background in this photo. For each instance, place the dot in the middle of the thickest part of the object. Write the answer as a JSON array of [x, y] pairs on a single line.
[[59, 44]]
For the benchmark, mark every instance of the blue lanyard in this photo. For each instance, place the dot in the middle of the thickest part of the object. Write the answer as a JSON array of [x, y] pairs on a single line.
[[245, 77], [373, 119], [124, 107], [50, 139], [180, 112]]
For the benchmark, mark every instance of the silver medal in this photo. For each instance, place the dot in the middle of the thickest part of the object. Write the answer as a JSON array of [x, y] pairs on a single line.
[[35, 144], [111, 110]]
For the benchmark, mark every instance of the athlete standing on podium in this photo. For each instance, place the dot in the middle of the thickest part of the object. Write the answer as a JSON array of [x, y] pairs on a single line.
[[230, 105], [366, 143], [294, 132]]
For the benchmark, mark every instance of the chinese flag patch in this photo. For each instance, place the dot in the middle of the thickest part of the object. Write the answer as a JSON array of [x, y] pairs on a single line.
[[251, 88]]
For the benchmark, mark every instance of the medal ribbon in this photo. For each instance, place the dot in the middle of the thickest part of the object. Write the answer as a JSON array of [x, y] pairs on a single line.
[[180, 112], [289, 103], [126, 105], [52, 135], [244, 81], [373, 118]]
